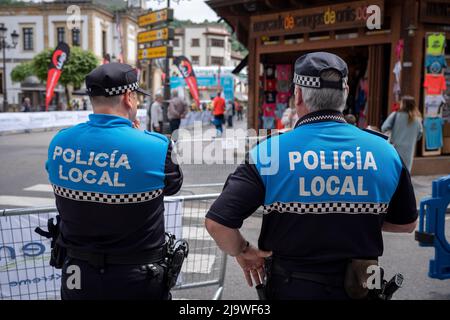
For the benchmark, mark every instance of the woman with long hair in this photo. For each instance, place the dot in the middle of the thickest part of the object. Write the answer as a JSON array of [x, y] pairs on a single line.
[[406, 129]]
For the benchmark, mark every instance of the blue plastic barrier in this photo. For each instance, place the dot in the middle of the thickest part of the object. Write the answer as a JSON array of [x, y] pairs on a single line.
[[431, 231]]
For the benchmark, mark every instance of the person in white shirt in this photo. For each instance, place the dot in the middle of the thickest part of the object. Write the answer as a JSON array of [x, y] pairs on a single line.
[[156, 113], [290, 117]]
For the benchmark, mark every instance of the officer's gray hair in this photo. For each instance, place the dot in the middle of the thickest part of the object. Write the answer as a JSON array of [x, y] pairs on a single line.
[[325, 98]]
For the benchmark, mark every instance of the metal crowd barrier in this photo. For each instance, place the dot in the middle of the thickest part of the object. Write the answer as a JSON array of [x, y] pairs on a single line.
[[24, 255], [431, 232]]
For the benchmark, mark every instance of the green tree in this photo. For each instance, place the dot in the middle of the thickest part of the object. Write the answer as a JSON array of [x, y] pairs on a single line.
[[80, 63], [22, 71]]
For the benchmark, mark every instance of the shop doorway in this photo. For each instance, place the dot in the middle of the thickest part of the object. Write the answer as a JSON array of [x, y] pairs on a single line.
[[368, 80]]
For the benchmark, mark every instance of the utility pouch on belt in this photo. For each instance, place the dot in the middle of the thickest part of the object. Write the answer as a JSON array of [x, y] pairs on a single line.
[[356, 277], [58, 253]]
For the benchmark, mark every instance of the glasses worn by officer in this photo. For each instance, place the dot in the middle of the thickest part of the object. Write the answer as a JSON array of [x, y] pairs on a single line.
[[327, 189], [109, 181]]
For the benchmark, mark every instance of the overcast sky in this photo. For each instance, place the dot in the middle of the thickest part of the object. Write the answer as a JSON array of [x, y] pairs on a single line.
[[196, 10]]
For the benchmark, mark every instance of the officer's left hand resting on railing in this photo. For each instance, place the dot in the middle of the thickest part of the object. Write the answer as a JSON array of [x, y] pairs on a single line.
[[250, 258]]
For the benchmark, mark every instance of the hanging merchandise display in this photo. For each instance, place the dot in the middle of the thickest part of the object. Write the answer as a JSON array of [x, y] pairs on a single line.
[[434, 105], [362, 92], [434, 83], [397, 73], [434, 89], [433, 132], [277, 84], [271, 85], [269, 71], [269, 115], [435, 64], [435, 44], [270, 96]]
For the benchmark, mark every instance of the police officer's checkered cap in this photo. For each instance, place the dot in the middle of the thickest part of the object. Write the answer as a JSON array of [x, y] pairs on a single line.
[[309, 67], [112, 79]]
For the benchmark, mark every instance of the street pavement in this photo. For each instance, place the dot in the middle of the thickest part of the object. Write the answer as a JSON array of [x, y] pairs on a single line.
[[24, 183]]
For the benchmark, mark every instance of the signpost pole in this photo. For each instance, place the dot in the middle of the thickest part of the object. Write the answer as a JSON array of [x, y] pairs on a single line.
[[154, 44], [166, 87]]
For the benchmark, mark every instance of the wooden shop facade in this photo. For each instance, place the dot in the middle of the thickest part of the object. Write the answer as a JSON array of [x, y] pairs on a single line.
[[386, 45]]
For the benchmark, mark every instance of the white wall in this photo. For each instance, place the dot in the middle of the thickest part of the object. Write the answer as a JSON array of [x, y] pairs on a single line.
[[195, 33], [132, 45], [18, 55], [63, 19], [179, 50], [14, 23], [205, 50], [112, 45]]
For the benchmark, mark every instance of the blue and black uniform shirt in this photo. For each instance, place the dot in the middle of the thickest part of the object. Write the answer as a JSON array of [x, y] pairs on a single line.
[[326, 187], [109, 181]]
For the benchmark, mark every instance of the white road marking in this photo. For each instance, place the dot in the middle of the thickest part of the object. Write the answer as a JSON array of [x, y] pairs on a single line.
[[26, 201], [198, 263], [40, 188]]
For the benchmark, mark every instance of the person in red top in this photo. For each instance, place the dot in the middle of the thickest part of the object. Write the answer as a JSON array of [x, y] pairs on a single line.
[[218, 111]]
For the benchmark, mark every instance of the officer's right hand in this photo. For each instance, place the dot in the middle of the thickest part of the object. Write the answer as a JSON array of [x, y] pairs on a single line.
[[252, 263]]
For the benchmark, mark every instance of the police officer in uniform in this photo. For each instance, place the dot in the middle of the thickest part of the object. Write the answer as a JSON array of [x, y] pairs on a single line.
[[109, 180], [328, 190]]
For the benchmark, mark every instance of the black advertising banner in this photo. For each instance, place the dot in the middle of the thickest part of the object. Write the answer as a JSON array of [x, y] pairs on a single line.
[[57, 61], [185, 67]]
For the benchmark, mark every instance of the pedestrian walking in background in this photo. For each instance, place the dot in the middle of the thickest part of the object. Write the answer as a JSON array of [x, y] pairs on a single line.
[[218, 112], [238, 110], [178, 109], [26, 105], [406, 129], [85, 107], [229, 112], [156, 113]]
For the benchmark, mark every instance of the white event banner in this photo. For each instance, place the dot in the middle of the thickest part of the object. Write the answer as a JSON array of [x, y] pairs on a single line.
[[25, 273], [20, 121]]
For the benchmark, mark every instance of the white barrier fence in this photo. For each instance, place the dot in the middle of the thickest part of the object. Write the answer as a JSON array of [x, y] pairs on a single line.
[[22, 121], [25, 273]]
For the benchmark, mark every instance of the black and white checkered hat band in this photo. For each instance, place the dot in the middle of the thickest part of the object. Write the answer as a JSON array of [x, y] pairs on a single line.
[[122, 89], [327, 207], [307, 81], [107, 198]]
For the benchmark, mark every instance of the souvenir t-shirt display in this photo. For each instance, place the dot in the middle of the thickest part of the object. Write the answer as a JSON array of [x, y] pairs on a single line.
[[282, 97], [434, 83], [435, 64], [269, 71], [435, 44], [270, 96], [433, 104], [284, 72], [271, 84], [433, 132], [284, 85]]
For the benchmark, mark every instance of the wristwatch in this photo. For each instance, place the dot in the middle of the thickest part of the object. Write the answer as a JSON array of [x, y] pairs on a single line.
[[247, 245]]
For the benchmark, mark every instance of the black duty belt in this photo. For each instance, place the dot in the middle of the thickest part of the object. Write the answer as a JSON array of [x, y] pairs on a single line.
[[330, 280], [101, 259]]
